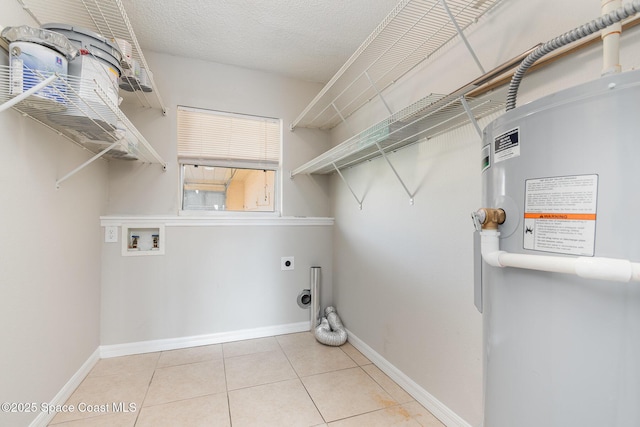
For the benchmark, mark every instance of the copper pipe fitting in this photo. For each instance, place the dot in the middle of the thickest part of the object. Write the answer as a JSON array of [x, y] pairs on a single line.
[[491, 218]]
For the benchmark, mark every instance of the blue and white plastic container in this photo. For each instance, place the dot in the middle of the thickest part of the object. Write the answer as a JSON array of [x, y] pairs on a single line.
[[31, 63]]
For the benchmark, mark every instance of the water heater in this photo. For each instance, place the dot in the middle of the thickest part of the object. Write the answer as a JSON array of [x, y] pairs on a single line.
[[562, 346]]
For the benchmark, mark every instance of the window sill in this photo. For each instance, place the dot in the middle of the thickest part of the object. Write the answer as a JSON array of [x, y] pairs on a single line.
[[216, 220]]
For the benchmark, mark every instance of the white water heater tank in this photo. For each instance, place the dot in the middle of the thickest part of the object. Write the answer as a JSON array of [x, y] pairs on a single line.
[[562, 350]]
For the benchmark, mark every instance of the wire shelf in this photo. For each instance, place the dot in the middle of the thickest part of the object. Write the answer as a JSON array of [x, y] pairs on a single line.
[[427, 118], [81, 110], [411, 33]]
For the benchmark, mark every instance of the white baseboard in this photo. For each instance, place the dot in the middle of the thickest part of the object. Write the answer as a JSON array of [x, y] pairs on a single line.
[[433, 405], [115, 350], [65, 393]]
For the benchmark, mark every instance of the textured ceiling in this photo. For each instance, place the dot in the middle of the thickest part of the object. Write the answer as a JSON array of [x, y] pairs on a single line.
[[305, 39]]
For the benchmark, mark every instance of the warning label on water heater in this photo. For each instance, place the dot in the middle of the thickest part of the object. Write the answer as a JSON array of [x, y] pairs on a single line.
[[560, 214]]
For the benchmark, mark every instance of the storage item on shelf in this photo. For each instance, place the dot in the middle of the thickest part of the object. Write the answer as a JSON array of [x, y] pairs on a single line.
[[136, 78], [145, 80], [30, 63], [130, 79], [107, 18], [96, 71], [41, 36], [97, 45], [128, 144], [97, 85], [127, 52]]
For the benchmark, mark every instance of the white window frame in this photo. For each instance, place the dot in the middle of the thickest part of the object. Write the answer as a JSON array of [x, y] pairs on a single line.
[[231, 163]]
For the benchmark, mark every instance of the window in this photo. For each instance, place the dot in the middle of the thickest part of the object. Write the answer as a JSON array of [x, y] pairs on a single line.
[[229, 162]]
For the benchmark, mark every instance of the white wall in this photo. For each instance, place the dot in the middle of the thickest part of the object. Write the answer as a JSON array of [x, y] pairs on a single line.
[[214, 279], [403, 277], [145, 189], [211, 280], [49, 256]]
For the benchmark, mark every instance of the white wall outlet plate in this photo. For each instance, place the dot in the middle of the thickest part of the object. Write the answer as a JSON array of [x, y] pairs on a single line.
[[111, 233], [286, 263]]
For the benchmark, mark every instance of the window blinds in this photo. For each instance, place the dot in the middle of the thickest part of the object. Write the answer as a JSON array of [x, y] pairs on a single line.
[[212, 135]]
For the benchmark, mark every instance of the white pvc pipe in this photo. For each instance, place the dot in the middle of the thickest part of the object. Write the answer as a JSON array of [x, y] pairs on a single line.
[[611, 40], [617, 270]]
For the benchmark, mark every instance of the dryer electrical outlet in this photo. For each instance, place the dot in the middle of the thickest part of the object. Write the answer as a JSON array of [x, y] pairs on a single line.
[[286, 263]]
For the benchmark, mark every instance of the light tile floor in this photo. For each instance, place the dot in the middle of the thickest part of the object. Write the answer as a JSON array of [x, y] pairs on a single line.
[[288, 380]]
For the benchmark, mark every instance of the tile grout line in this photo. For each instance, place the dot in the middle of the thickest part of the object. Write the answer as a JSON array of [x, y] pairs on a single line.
[[301, 382], [148, 388], [226, 385]]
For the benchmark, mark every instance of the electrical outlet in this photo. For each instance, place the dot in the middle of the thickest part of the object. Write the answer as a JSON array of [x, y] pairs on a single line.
[[111, 233], [286, 263]]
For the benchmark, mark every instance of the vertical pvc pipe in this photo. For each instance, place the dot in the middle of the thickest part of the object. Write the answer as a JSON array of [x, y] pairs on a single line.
[[611, 40], [315, 297]]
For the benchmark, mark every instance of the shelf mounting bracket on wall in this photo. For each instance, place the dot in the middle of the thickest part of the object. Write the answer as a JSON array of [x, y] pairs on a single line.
[[386, 158], [353, 193], [85, 164], [344, 120], [472, 118], [461, 34], [373, 85]]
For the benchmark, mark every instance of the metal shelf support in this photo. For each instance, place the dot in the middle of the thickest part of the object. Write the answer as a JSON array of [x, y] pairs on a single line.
[[373, 85], [344, 120], [386, 158], [85, 164], [461, 34], [472, 118], [353, 193]]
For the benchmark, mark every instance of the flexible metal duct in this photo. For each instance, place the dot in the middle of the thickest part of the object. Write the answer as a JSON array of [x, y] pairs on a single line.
[[331, 331]]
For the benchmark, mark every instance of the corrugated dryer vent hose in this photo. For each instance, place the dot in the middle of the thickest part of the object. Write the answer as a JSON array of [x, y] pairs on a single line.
[[330, 331]]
